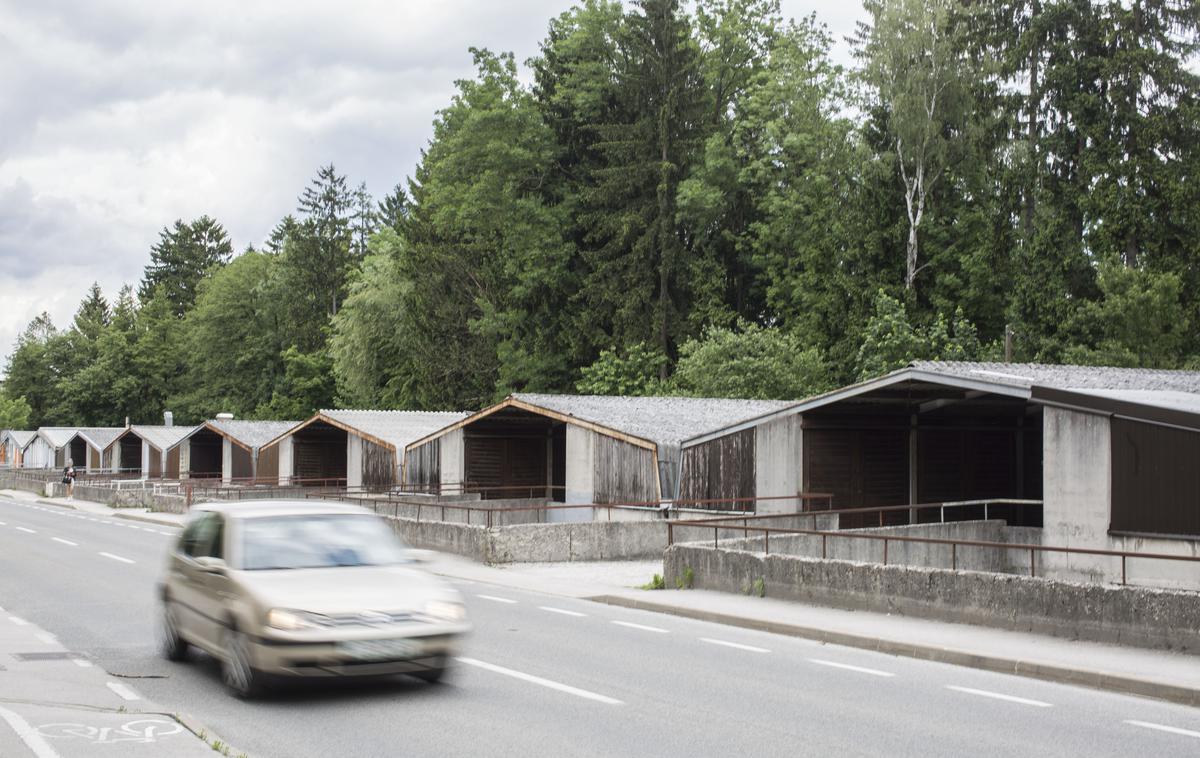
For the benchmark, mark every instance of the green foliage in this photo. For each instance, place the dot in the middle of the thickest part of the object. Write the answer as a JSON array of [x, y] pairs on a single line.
[[14, 412], [655, 583], [634, 371], [891, 341], [686, 580], [307, 385], [752, 362], [183, 256]]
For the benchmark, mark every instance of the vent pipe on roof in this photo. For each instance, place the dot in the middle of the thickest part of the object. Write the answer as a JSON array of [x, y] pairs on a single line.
[[168, 418], [126, 422], [224, 417]]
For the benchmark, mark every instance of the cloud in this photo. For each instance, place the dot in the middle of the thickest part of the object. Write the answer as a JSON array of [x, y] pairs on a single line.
[[120, 117]]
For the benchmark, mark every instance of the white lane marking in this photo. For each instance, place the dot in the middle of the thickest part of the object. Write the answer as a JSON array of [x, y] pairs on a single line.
[[1164, 728], [18, 621], [643, 627], [495, 599], [848, 667], [169, 534], [65, 542], [116, 557], [563, 611], [3, 523], [46, 637], [28, 735], [23, 529], [123, 691], [999, 696], [540, 681], [737, 645], [82, 663]]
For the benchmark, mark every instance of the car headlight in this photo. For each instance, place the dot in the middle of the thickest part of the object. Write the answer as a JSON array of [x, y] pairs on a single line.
[[292, 621], [444, 610]]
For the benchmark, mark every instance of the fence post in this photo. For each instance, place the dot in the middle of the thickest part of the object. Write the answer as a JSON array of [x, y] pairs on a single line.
[[824, 539], [1122, 569], [766, 542], [489, 518], [1032, 572], [714, 536], [670, 534], [885, 545], [954, 556]]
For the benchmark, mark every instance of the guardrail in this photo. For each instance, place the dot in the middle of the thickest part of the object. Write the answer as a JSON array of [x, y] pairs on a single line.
[[747, 530], [1021, 505]]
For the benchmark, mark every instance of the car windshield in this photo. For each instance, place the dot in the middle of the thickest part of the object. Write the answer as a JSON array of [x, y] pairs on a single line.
[[320, 541]]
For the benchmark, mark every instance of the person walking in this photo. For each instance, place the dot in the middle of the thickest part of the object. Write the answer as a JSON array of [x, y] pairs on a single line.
[[69, 477]]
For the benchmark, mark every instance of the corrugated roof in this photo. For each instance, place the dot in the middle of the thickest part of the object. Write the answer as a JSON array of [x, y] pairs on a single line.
[[252, 434], [662, 420], [1066, 376], [21, 437], [162, 437], [397, 428], [57, 436], [101, 436]]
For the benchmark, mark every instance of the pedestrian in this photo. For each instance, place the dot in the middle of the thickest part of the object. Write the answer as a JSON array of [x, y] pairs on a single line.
[[69, 477]]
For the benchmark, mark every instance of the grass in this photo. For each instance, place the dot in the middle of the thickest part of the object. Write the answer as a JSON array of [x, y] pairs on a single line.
[[657, 583]]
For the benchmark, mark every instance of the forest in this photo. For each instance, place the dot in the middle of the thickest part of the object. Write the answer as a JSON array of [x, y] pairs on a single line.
[[695, 199]]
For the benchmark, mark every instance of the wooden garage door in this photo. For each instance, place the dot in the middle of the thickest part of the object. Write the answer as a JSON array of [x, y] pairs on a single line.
[[506, 466], [861, 467]]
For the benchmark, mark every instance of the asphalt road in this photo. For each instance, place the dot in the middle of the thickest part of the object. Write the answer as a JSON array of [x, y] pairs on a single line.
[[545, 675]]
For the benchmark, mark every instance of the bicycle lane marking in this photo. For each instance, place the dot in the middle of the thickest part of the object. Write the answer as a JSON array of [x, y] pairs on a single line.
[[32, 739]]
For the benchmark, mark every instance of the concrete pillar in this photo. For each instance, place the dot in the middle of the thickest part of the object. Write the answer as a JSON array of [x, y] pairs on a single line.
[[145, 459], [285, 460], [580, 474], [226, 460], [452, 465], [353, 462], [185, 459]]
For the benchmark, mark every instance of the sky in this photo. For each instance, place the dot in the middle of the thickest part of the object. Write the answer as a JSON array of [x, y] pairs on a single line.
[[119, 116]]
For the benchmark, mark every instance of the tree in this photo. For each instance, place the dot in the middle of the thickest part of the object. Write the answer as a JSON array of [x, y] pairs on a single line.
[[891, 341], [30, 372], [393, 209], [14, 412], [184, 255], [635, 371], [363, 221], [320, 248], [750, 362], [307, 385], [914, 62]]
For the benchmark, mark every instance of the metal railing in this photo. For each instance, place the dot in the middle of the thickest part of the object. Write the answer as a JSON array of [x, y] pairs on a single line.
[[749, 530]]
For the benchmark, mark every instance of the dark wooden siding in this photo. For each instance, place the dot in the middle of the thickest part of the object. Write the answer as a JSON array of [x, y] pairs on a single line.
[[171, 470], [423, 466], [860, 468], [624, 473], [155, 469], [506, 466], [378, 467], [720, 469], [1155, 479], [242, 467], [268, 464]]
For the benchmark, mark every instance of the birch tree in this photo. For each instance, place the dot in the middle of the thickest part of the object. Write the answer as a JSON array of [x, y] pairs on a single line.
[[916, 71]]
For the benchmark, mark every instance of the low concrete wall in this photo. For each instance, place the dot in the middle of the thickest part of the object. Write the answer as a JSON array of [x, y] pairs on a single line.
[[1139, 616], [534, 543], [127, 498]]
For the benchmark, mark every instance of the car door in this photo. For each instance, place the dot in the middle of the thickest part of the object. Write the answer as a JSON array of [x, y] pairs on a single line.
[[190, 587]]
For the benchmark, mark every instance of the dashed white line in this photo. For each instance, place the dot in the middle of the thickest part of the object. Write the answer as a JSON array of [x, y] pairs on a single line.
[[18, 621], [123, 691], [46, 637], [65, 542], [116, 557], [1164, 728], [3, 523], [495, 599], [23, 529], [540, 681], [28, 735], [999, 696], [643, 627], [562, 611], [737, 645], [82, 663], [848, 667]]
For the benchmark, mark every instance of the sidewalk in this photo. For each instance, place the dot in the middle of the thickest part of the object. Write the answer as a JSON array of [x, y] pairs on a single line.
[[1152, 673], [99, 509], [57, 704]]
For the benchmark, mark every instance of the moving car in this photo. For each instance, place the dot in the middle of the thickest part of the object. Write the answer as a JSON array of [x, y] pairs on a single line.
[[304, 588]]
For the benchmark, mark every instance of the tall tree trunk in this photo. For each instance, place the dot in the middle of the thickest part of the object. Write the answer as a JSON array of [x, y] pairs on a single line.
[[665, 230], [1034, 107]]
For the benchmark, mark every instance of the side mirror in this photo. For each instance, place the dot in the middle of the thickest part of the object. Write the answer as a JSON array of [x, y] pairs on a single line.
[[211, 565]]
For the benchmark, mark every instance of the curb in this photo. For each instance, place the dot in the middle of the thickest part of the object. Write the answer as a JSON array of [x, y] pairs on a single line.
[[56, 504], [146, 517], [202, 733], [1032, 669]]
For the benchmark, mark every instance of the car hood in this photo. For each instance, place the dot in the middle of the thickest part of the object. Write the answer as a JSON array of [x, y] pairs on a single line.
[[346, 589]]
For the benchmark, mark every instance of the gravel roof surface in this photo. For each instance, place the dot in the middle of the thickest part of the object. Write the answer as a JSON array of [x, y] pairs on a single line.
[[252, 434], [1067, 377], [397, 428]]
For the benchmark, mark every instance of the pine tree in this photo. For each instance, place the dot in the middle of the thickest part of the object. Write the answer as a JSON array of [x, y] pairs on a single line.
[[184, 255]]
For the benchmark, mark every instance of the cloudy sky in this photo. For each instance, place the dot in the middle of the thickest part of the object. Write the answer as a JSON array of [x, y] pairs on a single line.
[[119, 116]]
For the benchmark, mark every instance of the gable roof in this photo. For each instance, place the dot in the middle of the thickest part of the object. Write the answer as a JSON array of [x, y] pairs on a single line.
[[646, 421], [57, 436], [248, 434], [394, 429], [20, 437], [162, 438], [100, 437]]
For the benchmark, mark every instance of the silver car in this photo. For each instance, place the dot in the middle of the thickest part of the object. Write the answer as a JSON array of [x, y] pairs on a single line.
[[287, 588]]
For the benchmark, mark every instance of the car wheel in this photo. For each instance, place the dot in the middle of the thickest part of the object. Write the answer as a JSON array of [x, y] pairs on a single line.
[[433, 674], [173, 647], [236, 671]]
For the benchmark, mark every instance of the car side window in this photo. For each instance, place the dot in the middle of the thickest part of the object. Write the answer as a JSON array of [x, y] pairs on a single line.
[[203, 537]]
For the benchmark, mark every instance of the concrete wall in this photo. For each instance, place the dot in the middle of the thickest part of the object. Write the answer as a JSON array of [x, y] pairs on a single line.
[[1077, 451], [580, 472], [777, 456], [126, 498], [452, 465], [354, 461], [39, 454], [1138, 616], [537, 542], [185, 458], [226, 460]]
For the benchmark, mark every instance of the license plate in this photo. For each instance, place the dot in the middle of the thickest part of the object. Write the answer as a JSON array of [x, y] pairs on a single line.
[[380, 650]]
